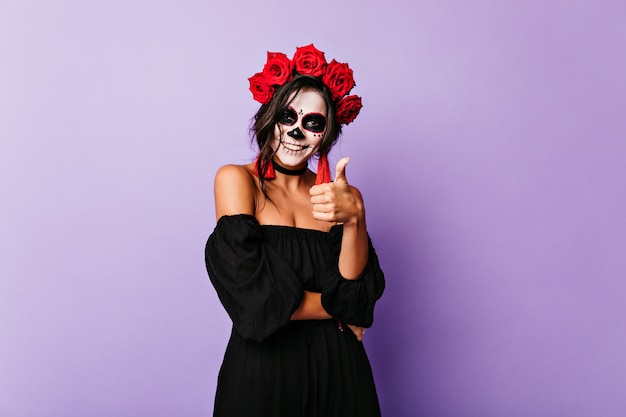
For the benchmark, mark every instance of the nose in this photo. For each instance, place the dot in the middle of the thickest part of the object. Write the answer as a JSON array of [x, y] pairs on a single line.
[[296, 133]]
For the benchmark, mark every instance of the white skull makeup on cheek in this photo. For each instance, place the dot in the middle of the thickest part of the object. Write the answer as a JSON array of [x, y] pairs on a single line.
[[300, 128]]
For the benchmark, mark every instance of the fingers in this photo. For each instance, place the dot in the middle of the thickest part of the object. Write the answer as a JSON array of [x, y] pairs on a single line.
[[320, 193], [340, 170], [321, 189], [324, 216], [334, 202], [358, 331]]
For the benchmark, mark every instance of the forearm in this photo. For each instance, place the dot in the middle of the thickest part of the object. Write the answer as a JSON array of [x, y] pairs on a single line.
[[354, 248], [311, 308]]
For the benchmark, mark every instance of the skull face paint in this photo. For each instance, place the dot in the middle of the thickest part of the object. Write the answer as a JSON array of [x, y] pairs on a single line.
[[313, 122], [300, 129]]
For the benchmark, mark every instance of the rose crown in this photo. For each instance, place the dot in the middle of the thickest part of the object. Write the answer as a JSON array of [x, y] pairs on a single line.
[[308, 60]]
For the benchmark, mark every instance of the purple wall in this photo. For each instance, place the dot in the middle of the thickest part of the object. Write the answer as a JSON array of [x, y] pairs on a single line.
[[499, 133]]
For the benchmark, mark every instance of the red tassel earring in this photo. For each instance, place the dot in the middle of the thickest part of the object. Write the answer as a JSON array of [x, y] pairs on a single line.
[[323, 171], [270, 174]]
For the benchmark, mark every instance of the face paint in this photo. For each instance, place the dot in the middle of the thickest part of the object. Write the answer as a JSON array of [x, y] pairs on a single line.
[[300, 129], [313, 122], [296, 133]]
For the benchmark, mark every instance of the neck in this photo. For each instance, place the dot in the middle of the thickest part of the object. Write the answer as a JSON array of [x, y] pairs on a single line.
[[287, 171]]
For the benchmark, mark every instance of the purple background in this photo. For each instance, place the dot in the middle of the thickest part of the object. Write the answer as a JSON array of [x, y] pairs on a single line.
[[490, 152]]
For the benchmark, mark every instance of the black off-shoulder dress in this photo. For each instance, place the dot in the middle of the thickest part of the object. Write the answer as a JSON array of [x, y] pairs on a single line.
[[281, 368]]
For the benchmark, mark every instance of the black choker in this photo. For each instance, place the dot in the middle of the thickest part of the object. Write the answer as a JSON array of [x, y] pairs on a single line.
[[283, 170]]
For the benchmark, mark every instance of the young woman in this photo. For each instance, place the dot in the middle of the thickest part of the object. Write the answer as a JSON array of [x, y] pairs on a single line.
[[290, 257]]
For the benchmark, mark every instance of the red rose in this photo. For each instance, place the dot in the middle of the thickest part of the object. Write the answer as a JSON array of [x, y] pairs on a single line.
[[277, 69], [262, 90], [348, 109], [308, 60], [339, 79]]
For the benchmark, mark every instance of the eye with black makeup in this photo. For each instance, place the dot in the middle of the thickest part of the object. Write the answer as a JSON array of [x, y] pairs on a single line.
[[314, 122], [288, 117]]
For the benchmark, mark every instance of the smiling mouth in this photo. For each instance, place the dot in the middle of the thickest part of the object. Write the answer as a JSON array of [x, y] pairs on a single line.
[[293, 147]]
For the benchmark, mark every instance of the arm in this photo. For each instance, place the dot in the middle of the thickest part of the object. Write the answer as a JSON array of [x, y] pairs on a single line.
[[342, 203], [311, 308], [354, 244], [355, 282], [234, 190]]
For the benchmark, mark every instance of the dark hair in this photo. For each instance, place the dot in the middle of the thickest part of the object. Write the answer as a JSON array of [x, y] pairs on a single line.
[[265, 120]]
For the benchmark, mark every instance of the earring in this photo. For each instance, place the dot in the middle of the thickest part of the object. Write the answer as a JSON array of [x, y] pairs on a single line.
[[323, 170], [266, 168]]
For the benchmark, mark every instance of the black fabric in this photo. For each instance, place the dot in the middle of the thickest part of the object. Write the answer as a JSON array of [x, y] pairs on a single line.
[[274, 366]]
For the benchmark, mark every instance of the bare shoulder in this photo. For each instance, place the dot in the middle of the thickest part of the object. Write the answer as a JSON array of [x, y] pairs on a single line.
[[233, 174], [234, 190]]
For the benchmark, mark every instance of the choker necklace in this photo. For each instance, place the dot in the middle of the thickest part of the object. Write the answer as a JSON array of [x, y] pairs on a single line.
[[283, 170]]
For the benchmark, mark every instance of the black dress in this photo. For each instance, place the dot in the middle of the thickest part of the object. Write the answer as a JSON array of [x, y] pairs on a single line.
[[281, 368]]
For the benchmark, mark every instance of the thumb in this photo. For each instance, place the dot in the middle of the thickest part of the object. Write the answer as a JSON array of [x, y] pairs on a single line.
[[340, 170]]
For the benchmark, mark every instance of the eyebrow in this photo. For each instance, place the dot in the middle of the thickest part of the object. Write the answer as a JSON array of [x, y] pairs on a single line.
[[307, 114]]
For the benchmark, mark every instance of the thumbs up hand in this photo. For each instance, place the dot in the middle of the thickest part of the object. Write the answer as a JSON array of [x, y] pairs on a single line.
[[337, 201]]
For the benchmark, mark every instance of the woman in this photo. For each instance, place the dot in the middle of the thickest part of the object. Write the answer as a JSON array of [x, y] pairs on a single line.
[[290, 257]]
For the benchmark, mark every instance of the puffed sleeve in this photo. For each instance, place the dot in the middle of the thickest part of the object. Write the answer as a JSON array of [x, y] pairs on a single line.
[[351, 301], [258, 288]]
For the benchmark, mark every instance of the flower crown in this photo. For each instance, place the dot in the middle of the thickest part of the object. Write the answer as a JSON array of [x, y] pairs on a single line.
[[308, 60]]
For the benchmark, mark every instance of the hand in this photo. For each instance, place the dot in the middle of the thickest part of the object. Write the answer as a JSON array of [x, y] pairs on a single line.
[[359, 332], [336, 201]]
